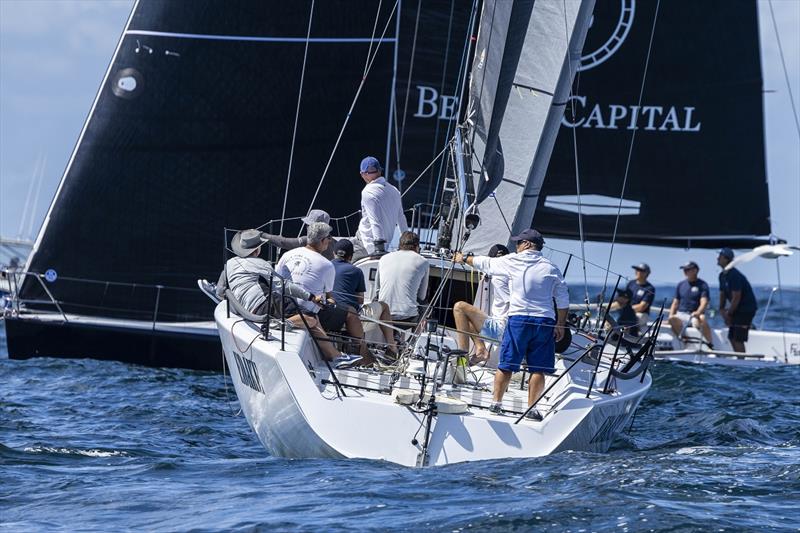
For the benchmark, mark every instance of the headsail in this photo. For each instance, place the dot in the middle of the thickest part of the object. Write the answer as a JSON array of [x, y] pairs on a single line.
[[697, 170], [521, 75]]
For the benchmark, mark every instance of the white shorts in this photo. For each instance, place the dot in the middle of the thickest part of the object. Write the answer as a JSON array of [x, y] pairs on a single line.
[[684, 317], [493, 328]]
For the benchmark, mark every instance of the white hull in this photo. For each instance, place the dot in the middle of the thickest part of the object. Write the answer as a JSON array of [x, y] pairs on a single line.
[[296, 412], [763, 348]]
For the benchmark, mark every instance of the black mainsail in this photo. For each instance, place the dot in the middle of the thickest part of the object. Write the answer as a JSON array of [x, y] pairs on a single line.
[[697, 174], [191, 132]]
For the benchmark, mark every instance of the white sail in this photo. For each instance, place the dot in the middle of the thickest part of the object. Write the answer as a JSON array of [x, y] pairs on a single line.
[[512, 144]]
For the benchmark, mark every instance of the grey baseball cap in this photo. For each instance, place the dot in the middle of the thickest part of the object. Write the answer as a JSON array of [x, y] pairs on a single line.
[[316, 215], [644, 267]]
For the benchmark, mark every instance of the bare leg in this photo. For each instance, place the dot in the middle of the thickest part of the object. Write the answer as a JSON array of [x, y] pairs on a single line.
[[329, 351], [705, 328], [356, 330], [676, 324], [738, 346], [501, 380], [388, 332], [535, 387], [469, 319]]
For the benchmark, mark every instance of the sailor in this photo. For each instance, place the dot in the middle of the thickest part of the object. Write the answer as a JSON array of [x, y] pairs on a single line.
[[290, 243], [251, 279], [690, 303], [310, 270], [643, 293], [381, 211], [471, 319], [624, 314], [402, 280], [349, 288], [735, 290], [531, 327]]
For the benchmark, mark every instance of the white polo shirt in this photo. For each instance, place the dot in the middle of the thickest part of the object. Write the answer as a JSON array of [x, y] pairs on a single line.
[[533, 282], [381, 211]]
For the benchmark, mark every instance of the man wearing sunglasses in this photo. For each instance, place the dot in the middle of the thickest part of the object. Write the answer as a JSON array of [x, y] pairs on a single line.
[[381, 211]]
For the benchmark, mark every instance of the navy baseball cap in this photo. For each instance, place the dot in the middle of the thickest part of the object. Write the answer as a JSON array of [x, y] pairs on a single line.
[[690, 264], [644, 267], [726, 252], [370, 164], [530, 235], [343, 248], [498, 250]]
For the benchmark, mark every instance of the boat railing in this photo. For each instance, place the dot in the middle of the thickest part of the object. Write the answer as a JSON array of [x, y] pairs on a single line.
[[109, 299]]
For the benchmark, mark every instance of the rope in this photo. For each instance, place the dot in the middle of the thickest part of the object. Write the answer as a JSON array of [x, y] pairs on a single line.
[[297, 115], [408, 84], [630, 148], [353, 105], [785, 72]]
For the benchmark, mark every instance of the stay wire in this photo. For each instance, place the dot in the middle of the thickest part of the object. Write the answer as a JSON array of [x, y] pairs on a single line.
[[785, 71], [352, 106], [630, 148], [297, 115]]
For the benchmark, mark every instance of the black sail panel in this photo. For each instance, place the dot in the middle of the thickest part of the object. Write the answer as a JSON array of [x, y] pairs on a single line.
[[697, 170], [191, 133]]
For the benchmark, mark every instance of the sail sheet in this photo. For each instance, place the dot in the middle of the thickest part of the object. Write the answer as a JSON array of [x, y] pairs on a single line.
[[191, 133], [697, 171], [520, 81]]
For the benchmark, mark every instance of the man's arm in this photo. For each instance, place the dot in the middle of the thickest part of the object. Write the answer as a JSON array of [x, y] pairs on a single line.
[[560, 322], [222, 284], [674, 307], [703, 304], [285, 243], [401, 218], [422, 293], [736, 298], [647, 301]]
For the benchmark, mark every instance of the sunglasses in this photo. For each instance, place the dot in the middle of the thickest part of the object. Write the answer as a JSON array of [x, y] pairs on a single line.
[[370, 172]]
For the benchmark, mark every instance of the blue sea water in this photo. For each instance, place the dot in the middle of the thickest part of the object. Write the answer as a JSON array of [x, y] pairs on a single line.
[[100, 446]]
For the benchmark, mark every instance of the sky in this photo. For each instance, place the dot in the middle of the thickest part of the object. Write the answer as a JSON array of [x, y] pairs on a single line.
[[54, 53]]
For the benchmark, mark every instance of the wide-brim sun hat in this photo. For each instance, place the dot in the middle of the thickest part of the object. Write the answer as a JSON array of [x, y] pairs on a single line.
[[244, 242]]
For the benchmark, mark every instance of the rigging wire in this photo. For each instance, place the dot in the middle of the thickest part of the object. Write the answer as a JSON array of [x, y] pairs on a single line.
[[370, 62], [408, 84], [630, 148], [577, 172], [297, 116], [785, 71]]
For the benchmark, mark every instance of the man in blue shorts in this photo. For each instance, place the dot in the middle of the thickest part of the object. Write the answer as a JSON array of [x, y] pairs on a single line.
[[736, 290], [690, 303], [531, 328]]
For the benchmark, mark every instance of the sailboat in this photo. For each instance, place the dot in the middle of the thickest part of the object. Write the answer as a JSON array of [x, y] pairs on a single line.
[[417, 414], [653, 138], [201, 99]]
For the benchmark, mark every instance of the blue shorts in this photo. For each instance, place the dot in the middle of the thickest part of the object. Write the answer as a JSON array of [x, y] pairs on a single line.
[[493, 328], [529, 338]]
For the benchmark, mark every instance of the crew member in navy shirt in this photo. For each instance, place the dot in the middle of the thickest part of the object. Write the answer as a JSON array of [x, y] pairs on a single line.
[[735, 290], [349, 287], [690, 303], [624, 314], [642, 294]]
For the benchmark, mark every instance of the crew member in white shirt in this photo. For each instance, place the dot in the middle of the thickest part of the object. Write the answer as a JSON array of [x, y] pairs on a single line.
[[381, 211], [471, 319], [402, 279], [308, 269], [531, 327]]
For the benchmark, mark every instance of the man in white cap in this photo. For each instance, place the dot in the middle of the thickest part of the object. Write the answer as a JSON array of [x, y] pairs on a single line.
[[290, 243], [532, 326], [381, 211]]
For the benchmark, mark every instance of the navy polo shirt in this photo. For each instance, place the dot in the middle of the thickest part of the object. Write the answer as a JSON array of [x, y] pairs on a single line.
[[733, 280], [642, 293], [626, 316], [349, 281], [689, 294]]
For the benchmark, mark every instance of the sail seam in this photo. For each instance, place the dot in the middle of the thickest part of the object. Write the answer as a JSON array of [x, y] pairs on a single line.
[[250, 38]]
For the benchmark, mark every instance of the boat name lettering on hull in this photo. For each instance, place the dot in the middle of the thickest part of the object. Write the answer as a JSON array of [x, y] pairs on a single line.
[[248, 372]]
